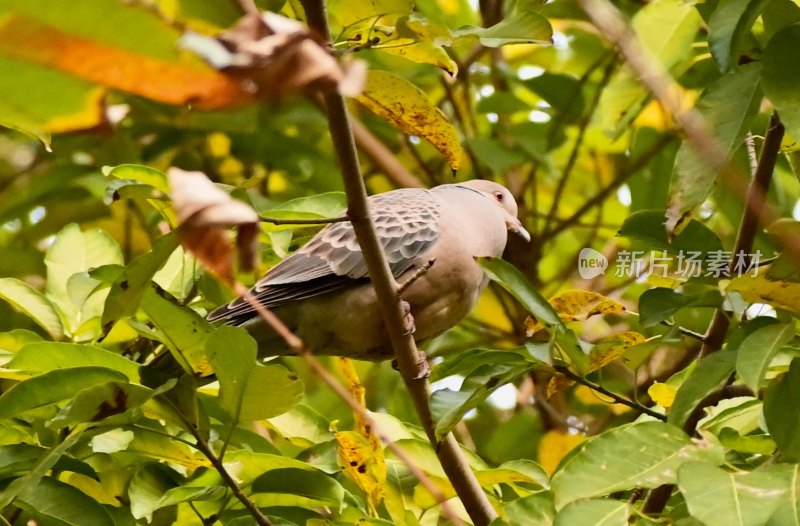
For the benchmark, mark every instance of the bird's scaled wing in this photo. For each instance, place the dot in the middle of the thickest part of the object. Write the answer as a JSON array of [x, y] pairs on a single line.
[[406, 222]]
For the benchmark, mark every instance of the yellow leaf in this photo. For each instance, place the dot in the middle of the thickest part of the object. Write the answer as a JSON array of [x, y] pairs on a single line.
[[662, 394], [589, 397], [760, 289], [554, 446], [557, 384], [361, 451], [612, 347], [365, 466], [573, 305], [407, 107], [422, 52]]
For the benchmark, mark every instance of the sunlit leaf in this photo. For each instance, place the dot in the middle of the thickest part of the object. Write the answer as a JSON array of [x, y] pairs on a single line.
[[757, 350], [593, 512], [33, 303], [409, 109]]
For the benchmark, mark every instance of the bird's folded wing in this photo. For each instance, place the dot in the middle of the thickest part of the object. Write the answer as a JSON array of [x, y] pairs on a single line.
[[407, 224]]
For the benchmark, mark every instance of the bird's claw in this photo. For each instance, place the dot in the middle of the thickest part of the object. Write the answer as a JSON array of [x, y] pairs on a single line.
[[423, 367]]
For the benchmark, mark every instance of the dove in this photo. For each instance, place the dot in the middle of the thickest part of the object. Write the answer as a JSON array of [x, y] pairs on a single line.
[[322, 291]]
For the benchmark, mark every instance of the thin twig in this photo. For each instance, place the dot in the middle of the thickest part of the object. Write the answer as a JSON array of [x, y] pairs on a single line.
[[319, 221], [683, 330], [251, 506], [603, 391], [421, 271]]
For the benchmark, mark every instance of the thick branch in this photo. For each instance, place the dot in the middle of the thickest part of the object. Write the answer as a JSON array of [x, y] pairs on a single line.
[[749, 224], [408, 357]]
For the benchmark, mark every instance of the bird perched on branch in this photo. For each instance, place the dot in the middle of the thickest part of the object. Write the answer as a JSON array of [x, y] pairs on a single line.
[[322, 291]]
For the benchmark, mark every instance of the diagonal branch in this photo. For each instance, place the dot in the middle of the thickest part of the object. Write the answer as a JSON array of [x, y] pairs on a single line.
[[408, 357]]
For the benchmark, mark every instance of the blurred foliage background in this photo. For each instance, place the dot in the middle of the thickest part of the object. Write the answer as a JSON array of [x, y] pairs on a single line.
[[100, 97]]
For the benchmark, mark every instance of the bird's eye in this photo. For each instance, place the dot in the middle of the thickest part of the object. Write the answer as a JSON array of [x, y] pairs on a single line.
[[499, 196]]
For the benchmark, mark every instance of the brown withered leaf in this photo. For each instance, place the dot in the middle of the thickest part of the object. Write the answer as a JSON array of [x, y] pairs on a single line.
[[205, 213], [275, 56]]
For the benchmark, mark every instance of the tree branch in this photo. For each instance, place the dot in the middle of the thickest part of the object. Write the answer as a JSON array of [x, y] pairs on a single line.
[[749, 223], [605, 392], [449, 452]]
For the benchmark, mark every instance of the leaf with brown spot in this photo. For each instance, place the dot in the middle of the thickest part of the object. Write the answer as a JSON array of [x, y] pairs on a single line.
[[205, 212], [407, 107], [362, 464], [760, 289], [574, 305]]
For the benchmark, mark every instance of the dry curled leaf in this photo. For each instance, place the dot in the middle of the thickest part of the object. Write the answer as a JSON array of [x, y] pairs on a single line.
[[205, 213], [273, 55]]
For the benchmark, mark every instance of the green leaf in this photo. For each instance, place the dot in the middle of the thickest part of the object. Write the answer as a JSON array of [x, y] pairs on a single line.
[[757, 351], [720, 498], [533, 510], [780, 412], [189, 494], [520, 28], [660, 303], [643, 455], [693, 178], [710, 374], [16, 459], [782, 75], [76, 252], [788, 513], [53, 500], [127, 291], [303, 483], [248, 390], [511, 279], [53, 386], [728, 27], [449, 407], [409, 108], [39, 357], [666, 30], [594, 512], [33, 303], [140, 174], [182, 330], [98, 402], [150, 483]]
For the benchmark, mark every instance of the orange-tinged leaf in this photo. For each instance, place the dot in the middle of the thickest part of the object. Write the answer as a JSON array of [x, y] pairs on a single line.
[[407, 107], [554, 446], [662, 394], [760, 289], [188, 82], [590, 397], [557, 384], [573, 305]]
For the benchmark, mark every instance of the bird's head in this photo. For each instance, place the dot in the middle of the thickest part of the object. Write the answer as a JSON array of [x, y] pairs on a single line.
[[502, 196]]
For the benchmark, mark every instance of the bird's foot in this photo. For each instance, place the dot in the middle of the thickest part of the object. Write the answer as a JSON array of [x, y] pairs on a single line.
[[409, 326], [423, 367]]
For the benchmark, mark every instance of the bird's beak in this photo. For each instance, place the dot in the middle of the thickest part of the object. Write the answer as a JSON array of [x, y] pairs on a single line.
[[515, 225]]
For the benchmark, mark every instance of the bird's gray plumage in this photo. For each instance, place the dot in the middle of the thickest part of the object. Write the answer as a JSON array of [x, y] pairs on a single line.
[[322, 290]]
